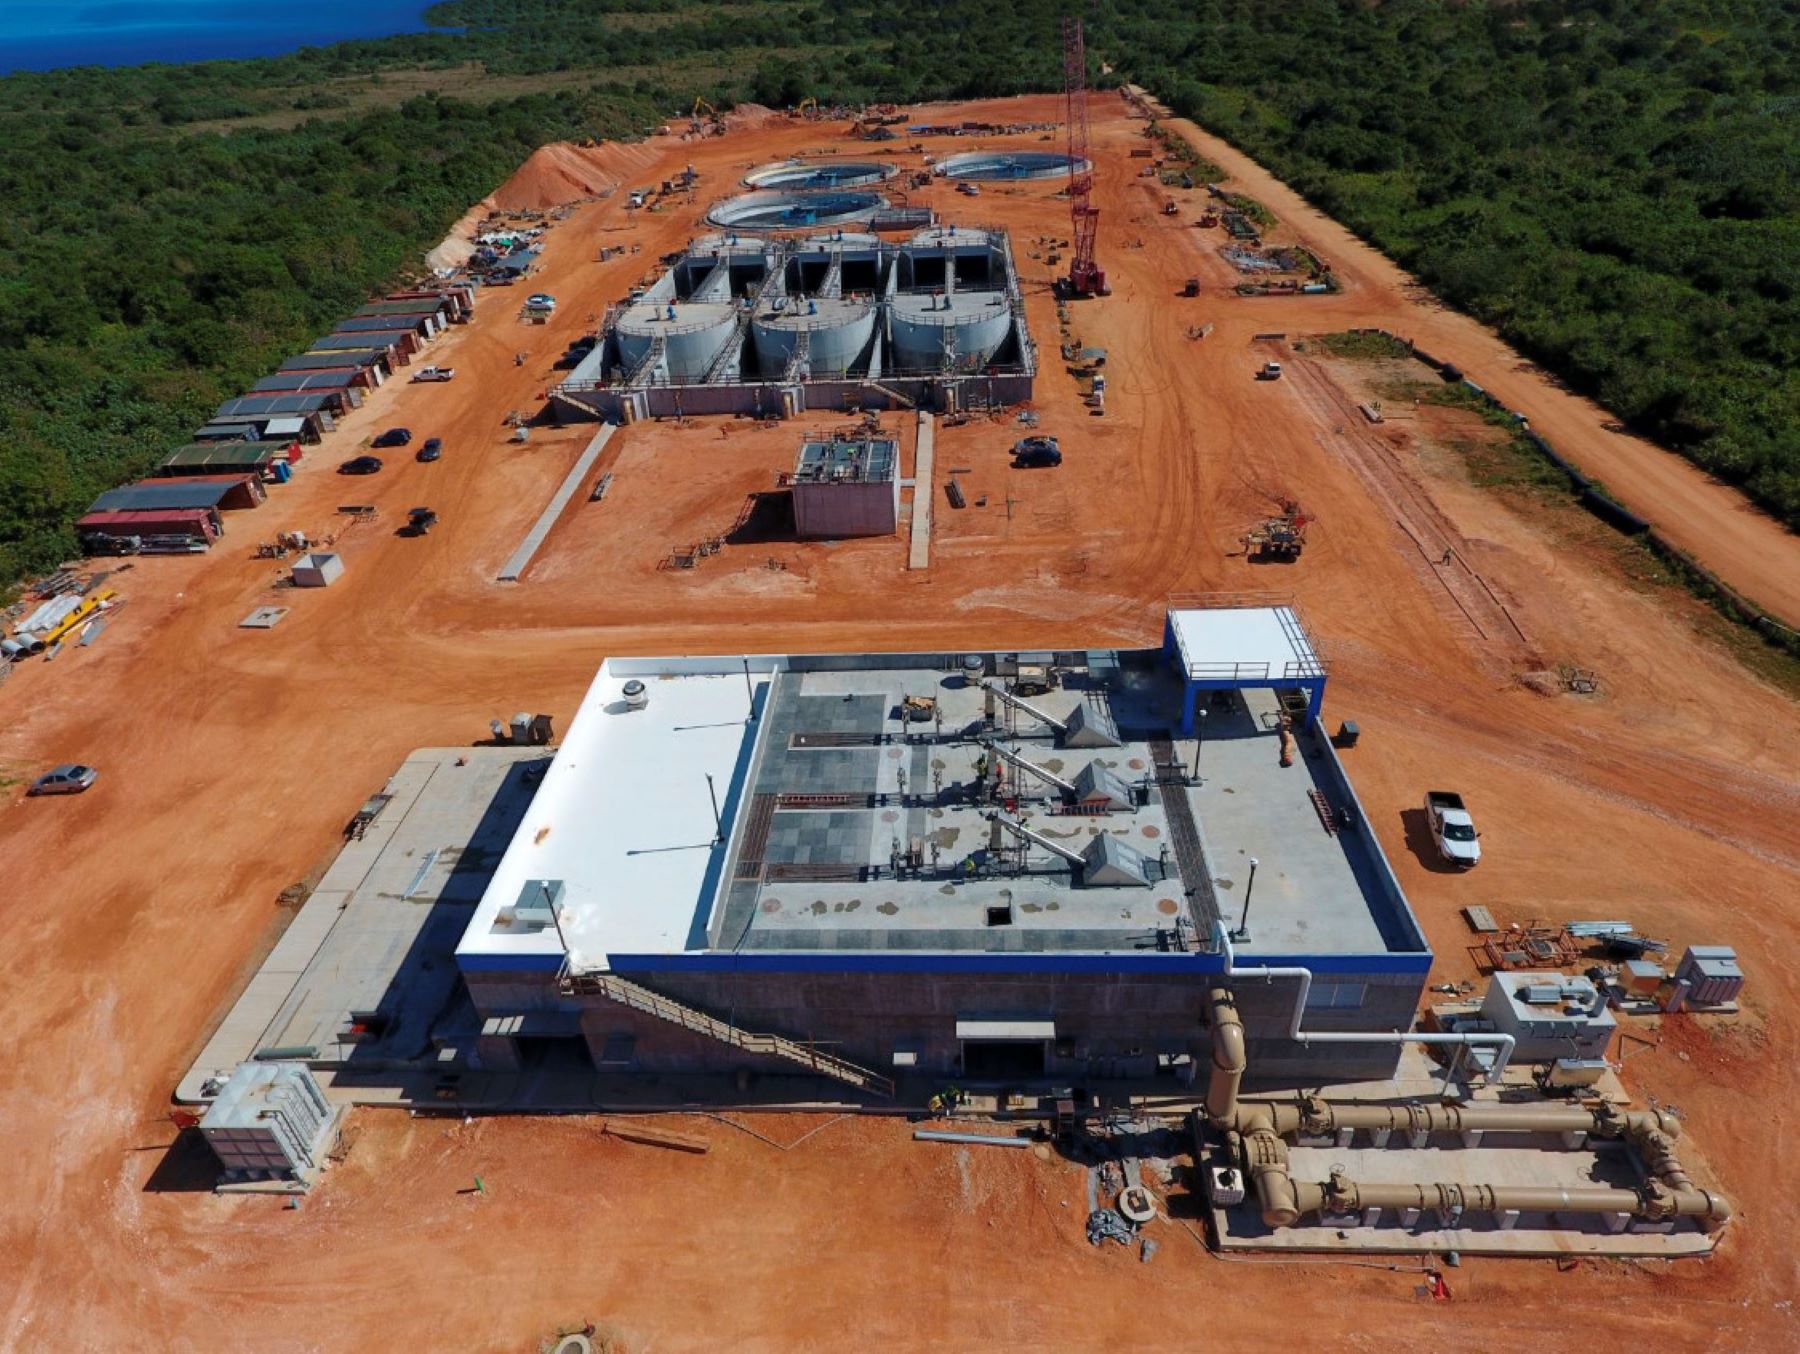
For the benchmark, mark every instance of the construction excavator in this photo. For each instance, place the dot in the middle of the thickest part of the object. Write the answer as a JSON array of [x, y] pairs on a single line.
[[705, 120]]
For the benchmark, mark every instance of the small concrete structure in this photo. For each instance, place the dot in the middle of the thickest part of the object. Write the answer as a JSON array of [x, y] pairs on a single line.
[[846, 487], [318, 570]]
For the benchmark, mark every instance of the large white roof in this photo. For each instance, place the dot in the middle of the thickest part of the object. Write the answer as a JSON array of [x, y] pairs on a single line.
[[623, 818], [1244, 644]]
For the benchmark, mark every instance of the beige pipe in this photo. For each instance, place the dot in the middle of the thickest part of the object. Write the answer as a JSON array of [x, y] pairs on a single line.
[[1229, 1060], [1262, 1127], [1340, 1194], [1315, 1115]]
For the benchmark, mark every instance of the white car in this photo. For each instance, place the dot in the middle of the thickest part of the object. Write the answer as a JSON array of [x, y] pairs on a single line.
[[541, 301], [435, 374]]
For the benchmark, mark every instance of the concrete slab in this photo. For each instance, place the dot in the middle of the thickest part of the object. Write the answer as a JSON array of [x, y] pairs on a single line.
[[1251, 807], [514, 567], [378, 934], [924, 488]]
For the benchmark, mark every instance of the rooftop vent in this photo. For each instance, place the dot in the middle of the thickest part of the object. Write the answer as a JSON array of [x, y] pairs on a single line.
[[636, 694]]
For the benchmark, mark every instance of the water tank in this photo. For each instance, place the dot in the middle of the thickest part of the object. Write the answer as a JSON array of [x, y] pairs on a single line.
[[837, 332], [963, 328], [692, 333]]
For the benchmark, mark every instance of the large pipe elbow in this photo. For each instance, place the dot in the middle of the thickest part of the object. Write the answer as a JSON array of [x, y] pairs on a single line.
[[1267, 1157]]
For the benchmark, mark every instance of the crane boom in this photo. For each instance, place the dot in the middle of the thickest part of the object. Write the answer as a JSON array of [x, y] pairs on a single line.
[[1086, 277]]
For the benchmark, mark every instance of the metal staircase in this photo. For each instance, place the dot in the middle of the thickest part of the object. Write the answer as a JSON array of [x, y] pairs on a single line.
[[640, 998], [645, 371]]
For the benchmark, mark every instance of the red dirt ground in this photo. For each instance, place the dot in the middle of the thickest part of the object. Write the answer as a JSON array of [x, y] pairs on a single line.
[[231, 758]]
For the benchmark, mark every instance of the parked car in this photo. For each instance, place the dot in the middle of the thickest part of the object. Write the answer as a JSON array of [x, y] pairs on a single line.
[[360, 465], [1452, 829], [1034, 452], [541, 300], [434, 374], [63, 780], [432, 450], [394, 437]]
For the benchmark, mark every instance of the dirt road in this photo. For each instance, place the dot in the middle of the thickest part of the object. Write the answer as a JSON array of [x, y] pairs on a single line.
[[1712, 521], [230, 760]]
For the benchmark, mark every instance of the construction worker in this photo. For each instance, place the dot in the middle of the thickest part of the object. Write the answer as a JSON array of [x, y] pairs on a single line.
[[1449, 555]]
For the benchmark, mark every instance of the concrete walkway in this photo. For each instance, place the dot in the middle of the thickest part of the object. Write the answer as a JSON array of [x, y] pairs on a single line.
[[535, 537], [924, 489]]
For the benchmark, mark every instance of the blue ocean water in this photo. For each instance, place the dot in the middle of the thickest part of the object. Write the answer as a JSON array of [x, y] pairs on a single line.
[[45, 34]]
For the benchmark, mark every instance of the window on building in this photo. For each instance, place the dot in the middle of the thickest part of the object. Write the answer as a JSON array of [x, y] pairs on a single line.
[[1336, 996]]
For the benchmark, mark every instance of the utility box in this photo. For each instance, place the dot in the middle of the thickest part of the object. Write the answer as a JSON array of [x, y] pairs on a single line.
[[1711, 973], [271, 1122], [1549, 1015], [846, 486]]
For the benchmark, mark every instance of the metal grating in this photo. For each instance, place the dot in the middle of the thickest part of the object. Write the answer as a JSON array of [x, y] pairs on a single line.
[[818, 874], [1184, 836], [756, 837], [836, 740]]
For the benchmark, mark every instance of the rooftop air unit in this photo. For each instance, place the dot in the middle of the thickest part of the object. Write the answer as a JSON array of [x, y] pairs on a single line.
[[538, 902], [636, 694]]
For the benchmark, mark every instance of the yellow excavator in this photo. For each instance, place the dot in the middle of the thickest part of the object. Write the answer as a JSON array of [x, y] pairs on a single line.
[[712, 120], [809, 108]]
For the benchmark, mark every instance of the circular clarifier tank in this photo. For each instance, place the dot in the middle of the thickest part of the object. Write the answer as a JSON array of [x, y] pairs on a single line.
[[998, 166], [772, 210], [810, 175]]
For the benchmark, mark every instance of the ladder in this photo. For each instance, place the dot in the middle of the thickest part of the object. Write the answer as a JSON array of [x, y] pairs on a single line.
[[639, 998]]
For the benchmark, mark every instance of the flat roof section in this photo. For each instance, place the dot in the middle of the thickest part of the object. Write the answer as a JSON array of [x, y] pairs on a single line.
[[1248, 643], [847, 461], [624, 819]]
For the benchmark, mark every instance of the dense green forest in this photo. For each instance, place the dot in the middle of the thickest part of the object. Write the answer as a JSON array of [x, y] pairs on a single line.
[[1614, 185]]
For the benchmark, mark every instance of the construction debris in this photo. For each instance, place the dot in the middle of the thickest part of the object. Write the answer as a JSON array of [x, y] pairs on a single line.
[[1105, 1225]]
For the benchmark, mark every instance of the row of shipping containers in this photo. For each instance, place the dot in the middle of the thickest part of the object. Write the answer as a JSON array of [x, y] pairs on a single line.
[[181, 508]]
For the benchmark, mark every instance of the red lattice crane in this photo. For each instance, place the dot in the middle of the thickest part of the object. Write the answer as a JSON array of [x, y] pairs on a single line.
[[1086, 277]]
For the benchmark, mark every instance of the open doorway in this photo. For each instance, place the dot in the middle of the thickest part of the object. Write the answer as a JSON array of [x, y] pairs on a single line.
[[1003, 1059]]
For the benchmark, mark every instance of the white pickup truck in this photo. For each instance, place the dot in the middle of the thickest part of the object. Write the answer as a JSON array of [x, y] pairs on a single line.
[[434, 374], [1452, 829]]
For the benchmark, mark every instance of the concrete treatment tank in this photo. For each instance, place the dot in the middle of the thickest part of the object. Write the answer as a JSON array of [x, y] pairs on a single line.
[[692, 334], [796, 211], [966, 328], [811, 174], [837, 332], [1002, 166]]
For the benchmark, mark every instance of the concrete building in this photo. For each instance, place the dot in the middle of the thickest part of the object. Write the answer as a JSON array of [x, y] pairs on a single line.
[[833, 319], [846, 487], [914, 871]]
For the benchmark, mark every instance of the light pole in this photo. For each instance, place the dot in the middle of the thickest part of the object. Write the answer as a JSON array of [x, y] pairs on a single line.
[[1199, 742], [1239, 936]]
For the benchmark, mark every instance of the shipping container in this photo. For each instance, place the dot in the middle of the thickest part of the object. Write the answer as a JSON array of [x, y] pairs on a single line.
[[242, 491], [203, 522]]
